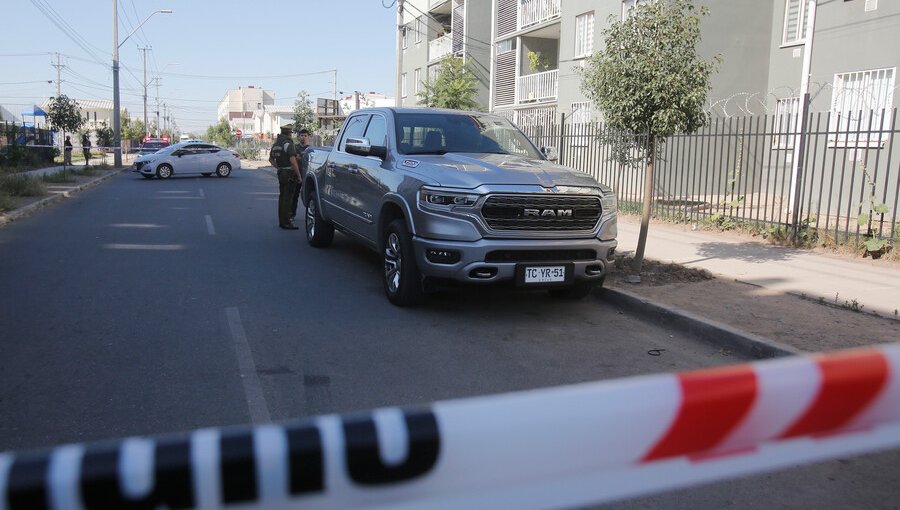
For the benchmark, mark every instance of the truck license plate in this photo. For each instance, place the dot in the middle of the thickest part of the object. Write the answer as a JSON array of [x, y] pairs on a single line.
[[545, 274]]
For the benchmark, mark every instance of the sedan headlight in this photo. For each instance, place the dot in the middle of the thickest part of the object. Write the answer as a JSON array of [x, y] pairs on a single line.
[[445, 200]]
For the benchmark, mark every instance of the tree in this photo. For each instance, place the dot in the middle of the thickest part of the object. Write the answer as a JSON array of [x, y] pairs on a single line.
[[104, 135], [304, 115], [64, 115], [649, 80], [220, 133], [454, 87]]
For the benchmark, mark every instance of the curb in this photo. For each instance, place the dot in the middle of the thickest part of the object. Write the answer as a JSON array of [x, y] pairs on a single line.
[[30, 209], [712, 332]]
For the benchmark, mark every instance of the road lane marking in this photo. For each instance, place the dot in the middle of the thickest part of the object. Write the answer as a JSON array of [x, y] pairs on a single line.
[[202, 195], [153, 247], [209, 225], [256, 401], [136, 225]]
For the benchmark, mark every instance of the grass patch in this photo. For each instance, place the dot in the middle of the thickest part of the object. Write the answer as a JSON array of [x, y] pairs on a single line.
[[22, 186], [7, 203], [59, 177]]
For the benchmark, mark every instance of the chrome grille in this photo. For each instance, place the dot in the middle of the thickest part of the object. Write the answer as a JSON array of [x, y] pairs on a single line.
[[508, 212]]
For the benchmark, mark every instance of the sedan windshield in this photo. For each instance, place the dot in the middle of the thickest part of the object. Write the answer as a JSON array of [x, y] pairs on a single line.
[[430, 133]]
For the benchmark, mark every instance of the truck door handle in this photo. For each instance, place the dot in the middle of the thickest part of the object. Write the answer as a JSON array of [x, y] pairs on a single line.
[[353, 168]]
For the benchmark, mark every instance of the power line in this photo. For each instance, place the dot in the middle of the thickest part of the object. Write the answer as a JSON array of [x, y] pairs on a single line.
[[259, 77], [66, 29]]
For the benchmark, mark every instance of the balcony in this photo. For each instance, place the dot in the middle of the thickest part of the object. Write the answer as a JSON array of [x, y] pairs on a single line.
[[538, 87], [534, 12], [440, 47]]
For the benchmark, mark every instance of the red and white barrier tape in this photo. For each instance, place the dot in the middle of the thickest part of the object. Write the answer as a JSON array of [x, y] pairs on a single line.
[[545, 448]]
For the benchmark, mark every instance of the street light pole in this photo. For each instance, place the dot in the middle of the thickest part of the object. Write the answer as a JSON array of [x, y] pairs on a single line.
[[117, 121]]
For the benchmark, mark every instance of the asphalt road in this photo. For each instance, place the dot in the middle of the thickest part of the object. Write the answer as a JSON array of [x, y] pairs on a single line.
[[145, 307]]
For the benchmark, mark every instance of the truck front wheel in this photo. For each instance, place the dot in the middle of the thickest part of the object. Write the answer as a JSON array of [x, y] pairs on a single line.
[[402, 279], [319, 233]]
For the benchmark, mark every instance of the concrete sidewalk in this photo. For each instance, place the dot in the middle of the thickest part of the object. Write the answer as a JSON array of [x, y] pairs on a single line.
[[873, 285]]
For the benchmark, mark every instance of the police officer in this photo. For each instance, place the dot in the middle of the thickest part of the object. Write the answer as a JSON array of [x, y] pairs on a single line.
[[283, 157], [302, 145]]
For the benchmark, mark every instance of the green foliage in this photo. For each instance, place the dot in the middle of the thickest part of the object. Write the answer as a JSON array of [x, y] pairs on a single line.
[[220, 133], [454, 87], [538, 62], [305, 114], [22, 186], [7, 203], [104, 135], [649, 78], [63, 114], [875, 244], [133, 130]]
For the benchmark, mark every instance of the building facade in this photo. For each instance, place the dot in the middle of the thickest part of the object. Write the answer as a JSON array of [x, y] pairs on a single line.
[[238, 106], [536, 47]]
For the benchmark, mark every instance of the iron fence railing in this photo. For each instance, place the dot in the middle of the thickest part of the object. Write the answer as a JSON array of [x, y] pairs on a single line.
[[741, 170]]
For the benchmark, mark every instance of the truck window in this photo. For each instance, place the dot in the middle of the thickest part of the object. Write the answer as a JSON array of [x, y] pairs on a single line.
[[356, 126], [430, 133], [377, 131]]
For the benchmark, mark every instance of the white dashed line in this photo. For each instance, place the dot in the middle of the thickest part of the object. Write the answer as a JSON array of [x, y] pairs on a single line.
[[209, 225], [256, 402], [202, 195]]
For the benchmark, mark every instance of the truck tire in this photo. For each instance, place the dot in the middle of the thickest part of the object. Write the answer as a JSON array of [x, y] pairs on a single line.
[[319, 233], [402, 279]]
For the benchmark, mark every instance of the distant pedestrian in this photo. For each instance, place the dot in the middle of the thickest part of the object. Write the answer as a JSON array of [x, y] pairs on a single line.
[[67, 151], [301, 146], [283, 156], [86, 148]]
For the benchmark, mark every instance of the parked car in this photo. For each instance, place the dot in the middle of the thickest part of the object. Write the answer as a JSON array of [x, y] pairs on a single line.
[[459, 196], [188, 158], [150, 146]]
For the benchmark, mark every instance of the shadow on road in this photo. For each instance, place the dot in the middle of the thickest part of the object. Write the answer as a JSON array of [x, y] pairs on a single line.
[[747, 252]]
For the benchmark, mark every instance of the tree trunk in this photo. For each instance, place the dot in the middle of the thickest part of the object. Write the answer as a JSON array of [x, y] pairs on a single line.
[[638, 260]]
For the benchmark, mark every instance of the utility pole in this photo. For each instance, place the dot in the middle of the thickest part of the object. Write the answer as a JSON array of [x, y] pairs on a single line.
[[157, 107], [117, 126], [58, 65], [399, 99], [800, 141], [146, 128]]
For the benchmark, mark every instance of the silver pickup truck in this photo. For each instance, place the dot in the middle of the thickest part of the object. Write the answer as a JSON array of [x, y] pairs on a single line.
[[452, 196]]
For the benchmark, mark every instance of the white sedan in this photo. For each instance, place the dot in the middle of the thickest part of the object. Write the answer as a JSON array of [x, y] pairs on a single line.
[[188, 158]]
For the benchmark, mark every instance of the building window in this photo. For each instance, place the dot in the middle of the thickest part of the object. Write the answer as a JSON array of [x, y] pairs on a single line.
[[403, 85], [584, 34], [404, 39], [506, 46], [581, 112], [794, 21], [416, 80], [419, 28], [787, 112], [860, 107]]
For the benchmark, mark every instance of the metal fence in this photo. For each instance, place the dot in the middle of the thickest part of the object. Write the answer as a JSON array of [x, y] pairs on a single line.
[[740, 171]]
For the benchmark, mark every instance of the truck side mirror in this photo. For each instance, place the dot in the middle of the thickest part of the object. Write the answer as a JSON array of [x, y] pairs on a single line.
[[550, 153], [362, 147]]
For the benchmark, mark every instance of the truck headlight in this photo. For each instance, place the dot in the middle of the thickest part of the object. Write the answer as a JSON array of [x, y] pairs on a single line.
[[609, 204], [445, 200]]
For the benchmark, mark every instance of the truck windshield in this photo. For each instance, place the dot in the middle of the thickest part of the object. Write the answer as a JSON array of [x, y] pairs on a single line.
[[432, 133]]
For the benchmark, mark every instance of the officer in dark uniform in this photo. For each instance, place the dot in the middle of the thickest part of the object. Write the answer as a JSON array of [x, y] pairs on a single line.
[[301, 146], [288, 175]]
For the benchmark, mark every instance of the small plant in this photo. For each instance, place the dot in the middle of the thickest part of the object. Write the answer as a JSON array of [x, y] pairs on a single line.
[[7, 202], [538, 62], [58, 177], [875, 244]]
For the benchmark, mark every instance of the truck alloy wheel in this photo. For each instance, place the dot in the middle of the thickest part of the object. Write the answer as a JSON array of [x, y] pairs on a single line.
[[319, 233], [402, 278]]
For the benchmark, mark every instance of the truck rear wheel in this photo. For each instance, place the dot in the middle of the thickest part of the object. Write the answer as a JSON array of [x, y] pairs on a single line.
[[402, 279]]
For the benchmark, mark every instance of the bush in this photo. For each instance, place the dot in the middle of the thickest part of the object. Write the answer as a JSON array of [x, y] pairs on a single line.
[[7, 202], [22, 186]]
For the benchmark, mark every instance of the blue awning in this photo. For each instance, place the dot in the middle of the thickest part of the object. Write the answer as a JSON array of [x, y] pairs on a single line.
[[35, 112]]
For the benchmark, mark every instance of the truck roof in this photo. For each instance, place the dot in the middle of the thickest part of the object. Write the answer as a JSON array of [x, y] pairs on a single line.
[[420, 109]]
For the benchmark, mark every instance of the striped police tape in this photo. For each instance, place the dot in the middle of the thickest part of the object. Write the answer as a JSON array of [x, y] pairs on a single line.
[[545, 448]]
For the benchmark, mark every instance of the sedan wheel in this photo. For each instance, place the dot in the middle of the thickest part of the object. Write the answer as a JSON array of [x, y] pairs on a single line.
[[164, 171], [223, 170]]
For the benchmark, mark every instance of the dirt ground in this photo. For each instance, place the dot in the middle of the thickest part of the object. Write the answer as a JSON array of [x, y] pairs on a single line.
[[787, 319]]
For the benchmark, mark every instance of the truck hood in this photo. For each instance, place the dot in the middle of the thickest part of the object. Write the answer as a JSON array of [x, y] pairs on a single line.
[[470, 170]]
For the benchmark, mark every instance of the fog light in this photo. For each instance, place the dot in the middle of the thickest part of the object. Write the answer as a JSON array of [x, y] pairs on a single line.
[[440, 256], [611, 254]]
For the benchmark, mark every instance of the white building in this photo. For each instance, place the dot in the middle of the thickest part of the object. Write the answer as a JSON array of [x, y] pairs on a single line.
[[268, 120], [365, 100], [238, 107]]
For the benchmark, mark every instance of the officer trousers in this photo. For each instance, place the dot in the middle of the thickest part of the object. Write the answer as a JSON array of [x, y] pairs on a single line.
[[287, 184]]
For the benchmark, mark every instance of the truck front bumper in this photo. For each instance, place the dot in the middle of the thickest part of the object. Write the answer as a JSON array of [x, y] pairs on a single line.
[[497, 260]]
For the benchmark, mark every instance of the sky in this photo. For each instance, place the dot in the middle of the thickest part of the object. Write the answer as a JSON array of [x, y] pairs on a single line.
[[201, 50]]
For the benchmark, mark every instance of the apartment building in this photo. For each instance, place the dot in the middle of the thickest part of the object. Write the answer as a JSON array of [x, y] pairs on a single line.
[[437, 29], [238, 106], [537, 46]]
